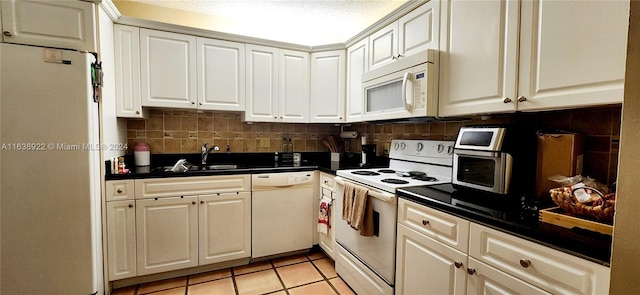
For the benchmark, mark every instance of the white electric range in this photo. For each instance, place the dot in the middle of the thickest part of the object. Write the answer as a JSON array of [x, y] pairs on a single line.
[[367, 264]]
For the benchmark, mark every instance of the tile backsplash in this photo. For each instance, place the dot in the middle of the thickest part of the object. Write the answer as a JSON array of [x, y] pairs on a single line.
[[179, 131]]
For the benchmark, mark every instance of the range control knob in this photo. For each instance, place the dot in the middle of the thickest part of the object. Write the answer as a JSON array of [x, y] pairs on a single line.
[[420, 146], [396, 146], [440, 148], [449, 150], [403, 146]]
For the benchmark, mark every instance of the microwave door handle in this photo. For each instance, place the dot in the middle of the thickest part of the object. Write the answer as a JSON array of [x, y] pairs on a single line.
[[405, 82]]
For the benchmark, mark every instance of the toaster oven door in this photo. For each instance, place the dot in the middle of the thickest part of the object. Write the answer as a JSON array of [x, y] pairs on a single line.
[[487, 171]]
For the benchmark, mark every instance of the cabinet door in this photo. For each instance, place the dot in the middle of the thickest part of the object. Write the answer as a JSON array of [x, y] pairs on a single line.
[[328, 242], [327, 86], [383, 46], [167, 234], [221, 75], [572, 54], [357, 64], [262, 84], [484, 279], [425, 266], [419, 29], [127, 71], [478, 58], [121, 239], [294, 86], [62, 24], [168, 69], [225, 227]]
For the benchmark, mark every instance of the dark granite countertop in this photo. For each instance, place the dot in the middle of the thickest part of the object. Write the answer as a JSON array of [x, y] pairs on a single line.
[[247, 163], [515, 215]]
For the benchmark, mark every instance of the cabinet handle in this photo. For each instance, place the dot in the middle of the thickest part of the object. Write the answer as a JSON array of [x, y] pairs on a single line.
[[525, 263], [7, 33], [458, 264], [201, 202], [506, 100], [425, 222], [275, 117], [400, 56], [522, 99], [119, 191], [193, 203], [137, 112], [471, 271], [201, 103], [130, 205], [193, 102]]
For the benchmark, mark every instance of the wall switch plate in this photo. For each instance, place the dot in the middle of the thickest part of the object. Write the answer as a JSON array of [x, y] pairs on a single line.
[[265, 142]]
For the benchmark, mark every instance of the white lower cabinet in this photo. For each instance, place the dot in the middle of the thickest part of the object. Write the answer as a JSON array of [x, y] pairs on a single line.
[[121, 239], [327, 190], [225, 227], [176, 223], [167, 234], [496, 263], [425, 266], [484, 279]]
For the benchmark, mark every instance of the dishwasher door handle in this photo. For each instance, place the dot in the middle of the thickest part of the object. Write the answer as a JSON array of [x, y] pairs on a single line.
[[386, 197]]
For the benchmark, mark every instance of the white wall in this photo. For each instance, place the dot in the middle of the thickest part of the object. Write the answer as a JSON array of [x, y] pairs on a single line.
[[114, 130]]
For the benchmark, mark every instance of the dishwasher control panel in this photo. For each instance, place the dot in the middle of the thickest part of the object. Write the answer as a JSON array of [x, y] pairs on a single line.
[[284, 179]]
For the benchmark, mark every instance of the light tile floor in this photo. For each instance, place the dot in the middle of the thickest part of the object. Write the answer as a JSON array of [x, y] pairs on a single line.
[[311, 273]]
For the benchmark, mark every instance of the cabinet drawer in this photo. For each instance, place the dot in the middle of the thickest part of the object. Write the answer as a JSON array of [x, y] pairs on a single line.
[[180, 186], [119, 190], [549, 269], [443, 227], [326, 181]]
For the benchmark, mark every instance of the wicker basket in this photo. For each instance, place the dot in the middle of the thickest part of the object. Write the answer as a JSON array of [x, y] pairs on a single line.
[[563, 198]]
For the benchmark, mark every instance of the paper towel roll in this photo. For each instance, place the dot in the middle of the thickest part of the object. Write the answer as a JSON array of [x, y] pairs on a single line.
[[349, 134]]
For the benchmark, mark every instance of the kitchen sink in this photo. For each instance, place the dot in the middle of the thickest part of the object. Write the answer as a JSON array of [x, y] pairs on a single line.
[[214, 167]]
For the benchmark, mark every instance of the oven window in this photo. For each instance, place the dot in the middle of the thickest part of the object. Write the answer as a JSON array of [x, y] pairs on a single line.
[[477, 171]]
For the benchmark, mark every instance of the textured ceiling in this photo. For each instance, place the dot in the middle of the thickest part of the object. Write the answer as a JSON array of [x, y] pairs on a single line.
[[305, 22]]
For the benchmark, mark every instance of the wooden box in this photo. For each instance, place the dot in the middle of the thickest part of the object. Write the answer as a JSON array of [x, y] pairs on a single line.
[[559, 217]]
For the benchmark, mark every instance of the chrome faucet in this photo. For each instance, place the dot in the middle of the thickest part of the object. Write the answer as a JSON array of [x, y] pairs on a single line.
[[206, 152]]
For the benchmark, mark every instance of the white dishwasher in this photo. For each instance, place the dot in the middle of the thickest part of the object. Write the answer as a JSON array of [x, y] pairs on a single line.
[[281, 212]]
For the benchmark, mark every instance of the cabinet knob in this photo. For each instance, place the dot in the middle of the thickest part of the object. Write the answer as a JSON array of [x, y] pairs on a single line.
[[522, 99], [458, 264], [425, 222], [525, 263], [130, 205], [471, 271], [506, 100], [193, 102], [201, 202], [275, 117], [200, 103], [7, 33], [399, 56], [193, 202], [119, 191], [281, 117], [340, 118], [137, 112]]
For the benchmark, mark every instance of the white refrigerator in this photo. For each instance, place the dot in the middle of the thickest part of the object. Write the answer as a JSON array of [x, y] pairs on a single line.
[[50, 225]]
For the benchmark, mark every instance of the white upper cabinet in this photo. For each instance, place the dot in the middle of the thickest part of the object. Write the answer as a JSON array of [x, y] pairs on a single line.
[[478, 57], [413, 33], [571, 54], [168, 75], [127, 71], [277, 85], [221, 75], [294, 86], [327, 86], [262, 84], [62, 24], [357, 65]]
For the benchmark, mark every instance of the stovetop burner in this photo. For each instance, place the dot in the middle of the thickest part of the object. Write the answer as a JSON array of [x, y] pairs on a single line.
[[411, 173], [424, 178], [386, 171], [366, 173], [394, 181]]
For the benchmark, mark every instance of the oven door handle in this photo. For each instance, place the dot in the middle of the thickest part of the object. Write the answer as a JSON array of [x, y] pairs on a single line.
[[385, 197]]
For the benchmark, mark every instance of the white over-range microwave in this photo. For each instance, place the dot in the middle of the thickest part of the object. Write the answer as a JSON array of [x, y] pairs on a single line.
[[405, 88]]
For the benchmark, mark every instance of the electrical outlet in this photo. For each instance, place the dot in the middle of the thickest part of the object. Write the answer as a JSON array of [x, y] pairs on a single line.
[[265, 142]]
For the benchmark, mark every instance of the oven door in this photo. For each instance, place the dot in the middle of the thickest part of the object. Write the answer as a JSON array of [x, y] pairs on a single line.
[[378, 251], [487, 171]]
